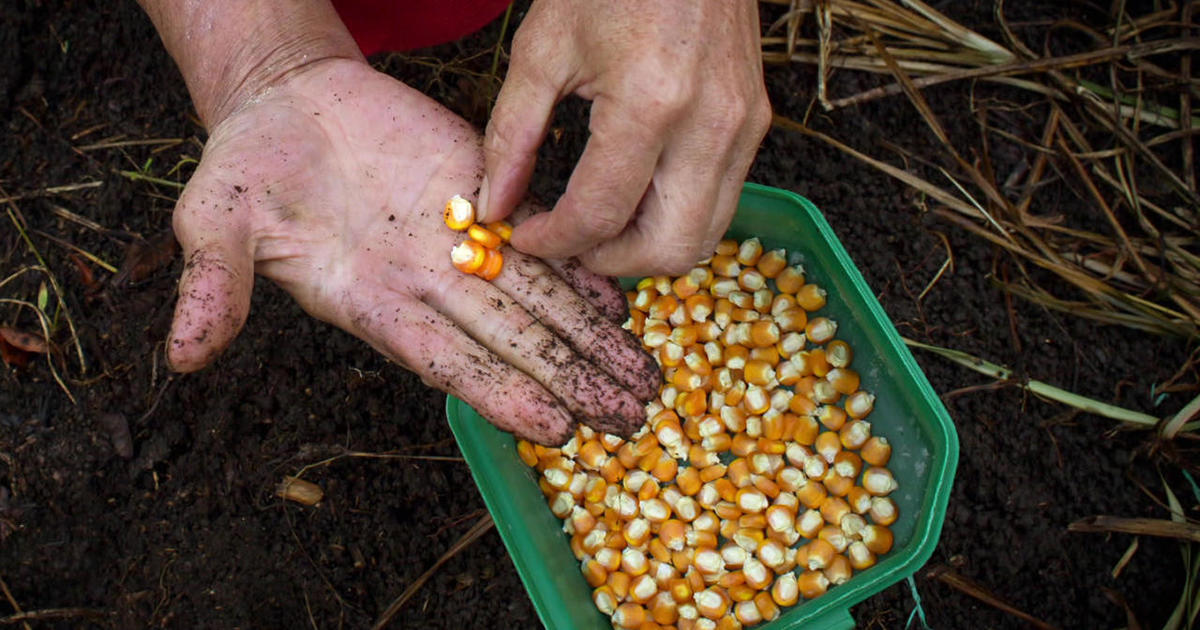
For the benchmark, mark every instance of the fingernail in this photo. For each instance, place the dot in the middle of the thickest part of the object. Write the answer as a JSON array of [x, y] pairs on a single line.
[[482, 203]]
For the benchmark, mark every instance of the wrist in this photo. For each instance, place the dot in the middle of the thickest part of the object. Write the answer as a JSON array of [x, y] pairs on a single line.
[[230, 51]]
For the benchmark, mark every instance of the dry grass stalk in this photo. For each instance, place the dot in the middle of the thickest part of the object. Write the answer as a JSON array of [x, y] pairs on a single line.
[[1138, 262]]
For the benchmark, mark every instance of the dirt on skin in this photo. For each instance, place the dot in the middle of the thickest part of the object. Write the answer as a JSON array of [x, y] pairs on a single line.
[[175, 523]]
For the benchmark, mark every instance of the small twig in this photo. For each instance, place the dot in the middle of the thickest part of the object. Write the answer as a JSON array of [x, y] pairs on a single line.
[[50, 191], [12, 600], [970, 587], [481, 527], [1040, 388], [1159, 527], [52, 613], [130, 143]]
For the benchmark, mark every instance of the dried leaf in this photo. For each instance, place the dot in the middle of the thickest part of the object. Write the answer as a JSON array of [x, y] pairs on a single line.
[[143, 258], [24, 341]]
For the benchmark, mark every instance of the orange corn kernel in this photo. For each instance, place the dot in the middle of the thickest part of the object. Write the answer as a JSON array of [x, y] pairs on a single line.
[[459, 213], [492, 264], [468, 256], [484, 236]]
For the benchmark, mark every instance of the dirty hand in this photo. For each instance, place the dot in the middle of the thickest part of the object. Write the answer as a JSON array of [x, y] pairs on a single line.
[[678, 110], [330, 180]]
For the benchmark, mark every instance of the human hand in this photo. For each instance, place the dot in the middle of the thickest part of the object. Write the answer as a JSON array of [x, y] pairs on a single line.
[[331, 182], [678, 110]]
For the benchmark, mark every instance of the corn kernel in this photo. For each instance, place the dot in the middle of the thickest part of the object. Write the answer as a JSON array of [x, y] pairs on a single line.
[[459, 213]]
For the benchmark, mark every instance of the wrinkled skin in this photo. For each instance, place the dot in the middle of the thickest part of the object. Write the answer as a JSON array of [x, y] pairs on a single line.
[[678, 111], [331, 183]]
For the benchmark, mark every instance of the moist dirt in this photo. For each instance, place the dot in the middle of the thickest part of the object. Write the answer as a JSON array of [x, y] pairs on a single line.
[[150, 501]]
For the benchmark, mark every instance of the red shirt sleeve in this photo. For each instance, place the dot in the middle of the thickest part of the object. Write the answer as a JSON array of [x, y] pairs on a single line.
[[388, 25]]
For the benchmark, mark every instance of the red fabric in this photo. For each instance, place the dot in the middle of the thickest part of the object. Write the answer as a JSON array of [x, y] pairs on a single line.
[[387, 25]]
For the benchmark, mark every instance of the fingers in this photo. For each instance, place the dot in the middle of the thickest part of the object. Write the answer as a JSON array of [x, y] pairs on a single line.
[[514, 132], [548, 298], [425, 341], [604, 190], [499, 323], [218, 277], [602, 292]]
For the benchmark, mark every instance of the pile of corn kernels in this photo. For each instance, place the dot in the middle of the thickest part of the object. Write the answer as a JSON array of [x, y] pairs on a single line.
[[756, 481]]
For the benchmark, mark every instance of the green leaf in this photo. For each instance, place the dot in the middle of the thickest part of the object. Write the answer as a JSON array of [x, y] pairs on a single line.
[[43, 297]]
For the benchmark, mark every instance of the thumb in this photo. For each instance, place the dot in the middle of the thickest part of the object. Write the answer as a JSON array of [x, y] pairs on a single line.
[[514, 132], [218, 274]]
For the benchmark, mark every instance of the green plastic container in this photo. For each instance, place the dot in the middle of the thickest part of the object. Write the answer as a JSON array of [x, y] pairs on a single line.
[[907, 412]]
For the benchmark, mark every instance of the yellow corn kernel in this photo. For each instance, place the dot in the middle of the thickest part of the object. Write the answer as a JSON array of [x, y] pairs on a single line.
[[604, 599], [834, 418], [762, 301], [883, 511], [484, 236], [726, 247], [833, 508], [725, 266], [859, 499], [493, 262], [860, 556], [839, 354], [649, 490], [750, 279], [744, 315], [582, 520], [608, 558], [459, 213], [752, 500], [526, 452], [813, 494], [784, 591], [877, 451], [738, 591], [879, 481], [757, 400], [810, 523], [837, 485], [685, 286], [839, 570], [811, 297], [806, 429], [680, 590], [742, 445], [708, 560], [643, 588], [764, 334], [828, 445], [711, 602], [772, 263], [662, 307], [877, 538], [663, 609], [765, 485], [790, 279], [698, 306], [794, 319], [772, 554], [758, 576], [818, 554], [844, 380], [468, 256], [767, 608], [855, 434], [747, 613], [594, 573], [834, 535], [714, 473], [860, 404], [823, 392], [820, 329], [633, 562], [630, 615], [749, 251], [847, 464]]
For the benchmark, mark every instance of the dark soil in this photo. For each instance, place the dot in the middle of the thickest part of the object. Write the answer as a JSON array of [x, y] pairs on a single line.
[[187, 531]]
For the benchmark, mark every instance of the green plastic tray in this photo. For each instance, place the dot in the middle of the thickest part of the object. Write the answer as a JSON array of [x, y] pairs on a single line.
[[907, 412]]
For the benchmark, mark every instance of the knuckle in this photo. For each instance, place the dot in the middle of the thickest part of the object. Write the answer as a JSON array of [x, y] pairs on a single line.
[[662, 96], [678, 259], [601, 225]]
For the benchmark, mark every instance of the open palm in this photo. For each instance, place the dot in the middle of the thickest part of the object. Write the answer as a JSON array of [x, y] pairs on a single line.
[[331, 184]]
